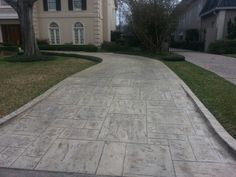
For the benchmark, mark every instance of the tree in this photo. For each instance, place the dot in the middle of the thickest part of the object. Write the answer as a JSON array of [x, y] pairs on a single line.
[[153, 21], [24, 9]]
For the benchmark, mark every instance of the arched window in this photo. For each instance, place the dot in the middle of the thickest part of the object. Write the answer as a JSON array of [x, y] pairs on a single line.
[[54, 33], [78, 33]]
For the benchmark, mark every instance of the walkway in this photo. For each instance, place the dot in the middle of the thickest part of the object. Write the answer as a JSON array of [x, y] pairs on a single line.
[[127, 116], [221, 65]]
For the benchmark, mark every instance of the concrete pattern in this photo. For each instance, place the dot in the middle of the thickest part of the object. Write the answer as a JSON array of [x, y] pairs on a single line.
[[128, 116], [222, 65]]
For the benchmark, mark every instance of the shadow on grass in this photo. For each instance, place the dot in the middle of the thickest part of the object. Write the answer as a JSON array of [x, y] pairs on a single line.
[[22, 58]]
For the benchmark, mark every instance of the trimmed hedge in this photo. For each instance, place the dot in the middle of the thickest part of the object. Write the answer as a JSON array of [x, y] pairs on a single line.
[[173, 57], [196, 46], [223, 47], [119, 48], [9, 48], [113, 47], [84, 48]]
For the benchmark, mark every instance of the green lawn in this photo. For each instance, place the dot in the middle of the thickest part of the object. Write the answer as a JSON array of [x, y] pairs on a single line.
[[217, 94], [20, 82]]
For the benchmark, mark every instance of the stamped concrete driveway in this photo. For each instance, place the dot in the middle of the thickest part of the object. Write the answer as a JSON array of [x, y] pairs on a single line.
[[127, 116], [221, 65]]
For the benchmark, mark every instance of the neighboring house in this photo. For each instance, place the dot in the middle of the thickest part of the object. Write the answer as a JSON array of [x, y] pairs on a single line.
[[64, 21], [208, 17]]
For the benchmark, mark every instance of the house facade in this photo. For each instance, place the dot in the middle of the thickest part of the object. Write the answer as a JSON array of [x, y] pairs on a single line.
[[208, 17], [76, 22]]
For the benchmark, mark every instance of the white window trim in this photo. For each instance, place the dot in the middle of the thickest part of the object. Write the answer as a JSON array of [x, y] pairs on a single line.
[[73, 32], [49, 33]]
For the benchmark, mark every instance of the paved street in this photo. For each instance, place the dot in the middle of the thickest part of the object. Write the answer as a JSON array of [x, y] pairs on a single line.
[[127, 116], [221, 65]]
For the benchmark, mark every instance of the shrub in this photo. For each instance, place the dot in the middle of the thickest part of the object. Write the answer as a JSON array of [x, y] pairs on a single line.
[[196, 46], [120, 48], [173, 57], [115, 36], [192, 35], [8, 44], [84, 48], [9, 48], [113, 47], [223, 47], [42, 41]]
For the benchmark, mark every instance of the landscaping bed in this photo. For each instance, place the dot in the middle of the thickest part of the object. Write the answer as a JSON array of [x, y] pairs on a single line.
[[84, 48], [21, 81]]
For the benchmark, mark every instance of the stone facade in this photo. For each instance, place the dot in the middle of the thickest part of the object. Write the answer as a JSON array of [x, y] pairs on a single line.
[[91, 25]]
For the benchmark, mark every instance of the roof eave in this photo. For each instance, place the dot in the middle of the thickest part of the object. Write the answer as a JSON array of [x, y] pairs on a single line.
[[215, 9]]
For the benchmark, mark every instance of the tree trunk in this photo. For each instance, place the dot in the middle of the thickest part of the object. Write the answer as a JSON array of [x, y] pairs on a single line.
[[25, 13]]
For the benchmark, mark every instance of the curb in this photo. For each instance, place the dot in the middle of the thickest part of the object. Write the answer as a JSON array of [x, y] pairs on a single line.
[[219, 131], [30, 104], [213, 123], [4, 120]]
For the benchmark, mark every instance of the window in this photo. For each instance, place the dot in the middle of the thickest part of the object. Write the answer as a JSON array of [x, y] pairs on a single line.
[[52, 5], [77, 4], [54, 34], [78, 33]]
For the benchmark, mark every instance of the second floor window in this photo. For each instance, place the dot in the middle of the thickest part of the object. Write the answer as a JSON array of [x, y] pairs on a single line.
[[52, 5], [77, 4]]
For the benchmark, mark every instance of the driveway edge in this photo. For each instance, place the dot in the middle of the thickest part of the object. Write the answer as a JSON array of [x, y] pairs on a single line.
[[41, 97], [218, 129], [220, 133], [30, 104]]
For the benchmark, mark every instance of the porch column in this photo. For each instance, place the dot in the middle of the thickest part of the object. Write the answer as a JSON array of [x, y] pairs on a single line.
[[220, 24], [1, 40]]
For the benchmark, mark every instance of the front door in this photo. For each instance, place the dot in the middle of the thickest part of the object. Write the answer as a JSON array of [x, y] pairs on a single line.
[[11, 34]]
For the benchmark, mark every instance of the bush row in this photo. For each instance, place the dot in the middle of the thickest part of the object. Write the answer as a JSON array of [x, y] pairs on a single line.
[[113, 47], [119, 48], [84, 48], [9, 48], [173, 57], [223, 47], [196, 46]]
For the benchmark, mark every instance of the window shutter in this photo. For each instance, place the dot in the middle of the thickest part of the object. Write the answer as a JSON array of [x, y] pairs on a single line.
[[70, 4], [58, 5], [84, 4], [45, 5]]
